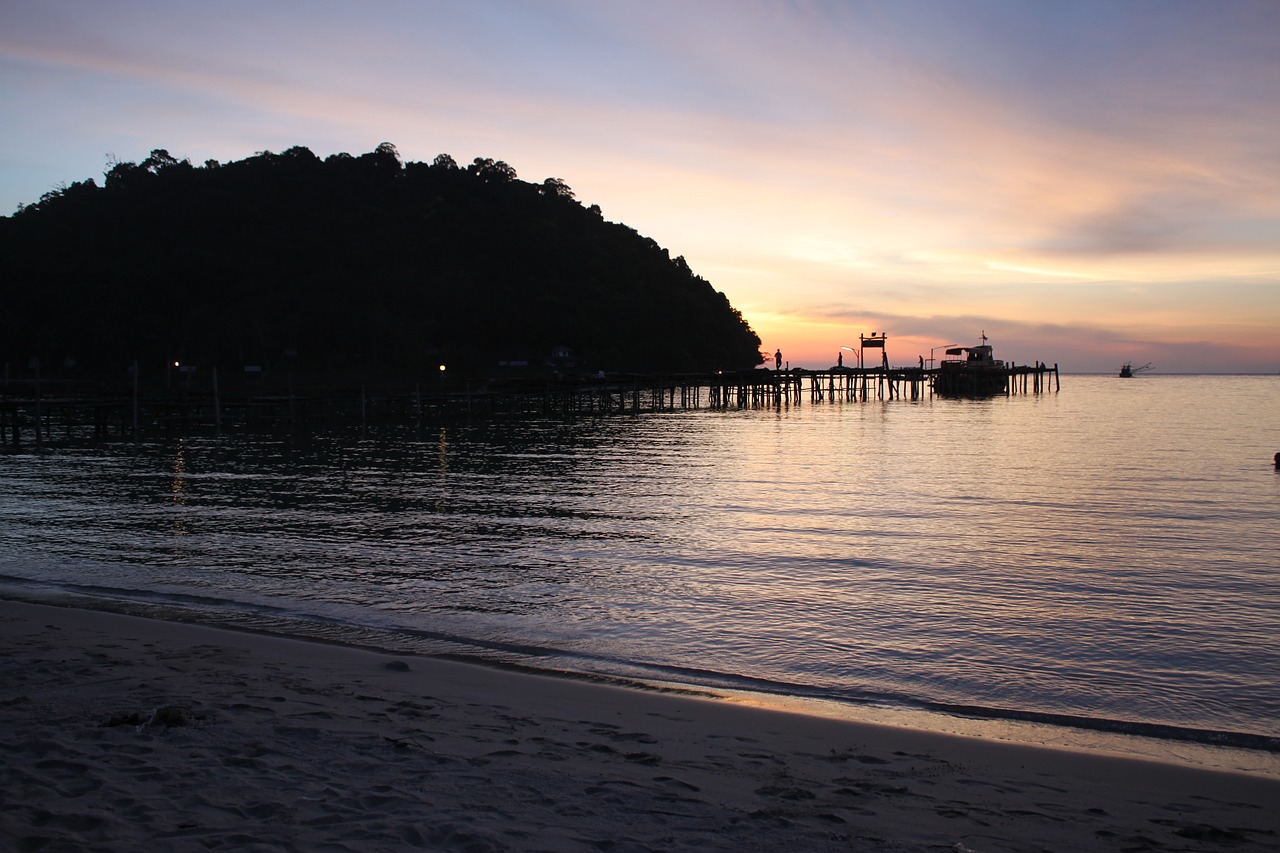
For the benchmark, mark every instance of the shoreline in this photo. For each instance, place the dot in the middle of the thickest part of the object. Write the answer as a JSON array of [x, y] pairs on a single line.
[[1106, 738], [125, 730]]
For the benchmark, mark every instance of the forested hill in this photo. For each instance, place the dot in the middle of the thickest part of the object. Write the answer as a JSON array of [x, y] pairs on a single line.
[[348, 265]]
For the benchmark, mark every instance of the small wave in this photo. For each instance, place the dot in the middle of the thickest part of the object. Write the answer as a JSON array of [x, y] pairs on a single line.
[[1159, 731]]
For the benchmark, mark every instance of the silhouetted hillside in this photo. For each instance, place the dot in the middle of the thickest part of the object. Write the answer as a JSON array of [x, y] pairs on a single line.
[[351, 265]]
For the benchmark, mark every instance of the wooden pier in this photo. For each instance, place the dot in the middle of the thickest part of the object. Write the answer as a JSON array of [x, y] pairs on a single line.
[[31, 414]]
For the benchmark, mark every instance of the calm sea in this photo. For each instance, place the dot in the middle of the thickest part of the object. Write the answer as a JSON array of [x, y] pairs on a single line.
[[1097, 567]]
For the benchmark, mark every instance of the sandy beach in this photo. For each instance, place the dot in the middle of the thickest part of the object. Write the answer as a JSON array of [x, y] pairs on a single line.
[[121, 733]]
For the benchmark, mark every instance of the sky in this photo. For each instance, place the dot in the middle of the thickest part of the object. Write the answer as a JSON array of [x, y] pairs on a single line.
[[1087, 183]]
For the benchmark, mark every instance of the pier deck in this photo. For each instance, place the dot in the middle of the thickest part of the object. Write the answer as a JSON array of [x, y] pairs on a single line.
[[63, 412]]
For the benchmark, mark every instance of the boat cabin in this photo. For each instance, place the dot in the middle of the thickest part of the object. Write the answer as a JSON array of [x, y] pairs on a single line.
[[972, 357]]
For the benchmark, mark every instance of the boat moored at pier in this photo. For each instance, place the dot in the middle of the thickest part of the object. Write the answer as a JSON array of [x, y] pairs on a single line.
[[971, 372]]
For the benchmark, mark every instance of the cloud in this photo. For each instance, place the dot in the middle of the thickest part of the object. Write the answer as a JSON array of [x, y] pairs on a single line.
[[1036, 272]]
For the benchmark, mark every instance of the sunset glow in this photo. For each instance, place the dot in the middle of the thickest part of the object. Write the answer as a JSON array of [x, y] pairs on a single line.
[[1088, 183]]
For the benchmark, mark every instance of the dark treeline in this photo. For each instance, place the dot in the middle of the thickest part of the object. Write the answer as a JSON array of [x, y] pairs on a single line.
[[348, 266]]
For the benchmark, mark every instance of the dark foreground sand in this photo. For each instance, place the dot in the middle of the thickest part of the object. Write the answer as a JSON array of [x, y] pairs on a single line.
[[119, 733]]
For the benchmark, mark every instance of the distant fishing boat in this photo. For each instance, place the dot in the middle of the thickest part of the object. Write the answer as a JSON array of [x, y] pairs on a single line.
[[971, 372], [1129, 371]]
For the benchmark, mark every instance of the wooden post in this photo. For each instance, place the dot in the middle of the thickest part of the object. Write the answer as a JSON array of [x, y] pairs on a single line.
[[217, 402], [39, 414], [135, 399]]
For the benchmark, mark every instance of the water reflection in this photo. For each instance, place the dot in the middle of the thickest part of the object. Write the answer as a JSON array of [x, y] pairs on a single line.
[[178, 493]]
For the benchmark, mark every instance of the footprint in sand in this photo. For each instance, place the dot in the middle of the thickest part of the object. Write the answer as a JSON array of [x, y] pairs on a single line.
[[784, 792]]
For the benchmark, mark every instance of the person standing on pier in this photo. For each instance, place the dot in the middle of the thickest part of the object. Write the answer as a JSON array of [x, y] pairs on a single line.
[[777, 359]]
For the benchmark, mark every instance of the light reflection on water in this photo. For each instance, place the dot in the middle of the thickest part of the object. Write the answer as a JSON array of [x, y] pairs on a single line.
[[1103, 552]]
